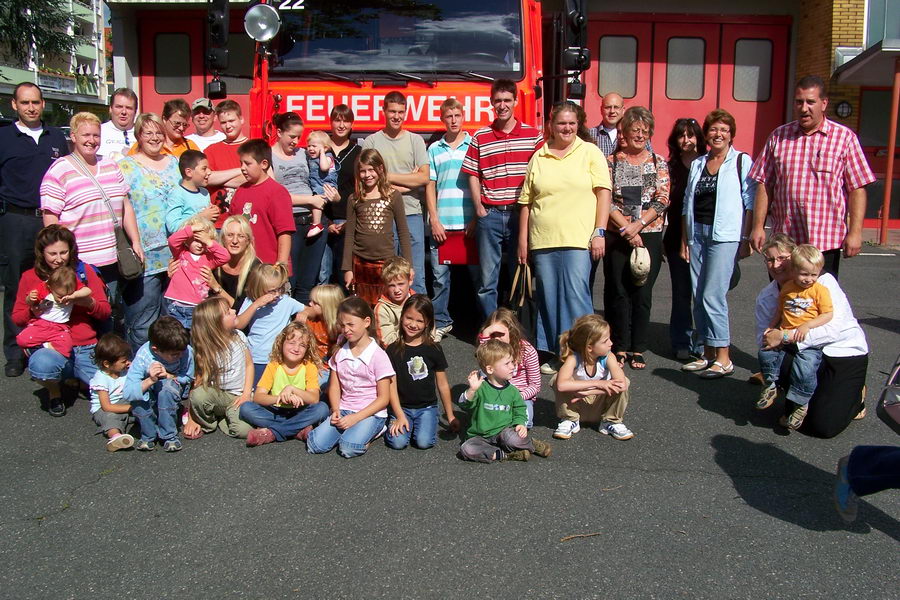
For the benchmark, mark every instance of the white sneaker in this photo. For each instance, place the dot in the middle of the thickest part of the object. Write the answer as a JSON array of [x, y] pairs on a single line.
[[119, 442], [616, 430], [548, 369], [566, 429], [441, 332]]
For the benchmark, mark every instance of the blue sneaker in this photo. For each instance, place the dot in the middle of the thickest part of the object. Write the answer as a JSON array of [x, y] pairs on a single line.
[[173, 445], [845, 501], [144, 445]]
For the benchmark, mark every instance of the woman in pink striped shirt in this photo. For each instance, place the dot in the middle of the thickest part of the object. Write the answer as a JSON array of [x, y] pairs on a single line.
[[71, 196]]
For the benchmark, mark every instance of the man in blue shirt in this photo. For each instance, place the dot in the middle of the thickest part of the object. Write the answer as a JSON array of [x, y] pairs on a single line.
[[27, 149]]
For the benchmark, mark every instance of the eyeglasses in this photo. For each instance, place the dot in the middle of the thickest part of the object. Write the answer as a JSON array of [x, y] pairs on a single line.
[[771, 260], [639, 131], [177, 124], [719, 130], [236, 236], [152, 134]]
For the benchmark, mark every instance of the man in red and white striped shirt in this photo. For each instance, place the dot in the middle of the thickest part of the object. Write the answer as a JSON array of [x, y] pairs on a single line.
[[496, 162], [814, 168]]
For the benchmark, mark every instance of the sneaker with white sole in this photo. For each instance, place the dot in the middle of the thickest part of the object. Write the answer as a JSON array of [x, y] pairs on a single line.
[[617, 431], [566, 429], [549, 368], [119, 442], [795, 417], [441, 332], [767, 397]]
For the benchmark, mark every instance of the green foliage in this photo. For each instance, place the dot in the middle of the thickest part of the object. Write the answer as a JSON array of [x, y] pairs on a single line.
[[43, 23]]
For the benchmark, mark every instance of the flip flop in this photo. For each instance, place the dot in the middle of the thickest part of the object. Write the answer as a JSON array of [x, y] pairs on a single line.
[[622, 357], [637, 361], [701, 364]]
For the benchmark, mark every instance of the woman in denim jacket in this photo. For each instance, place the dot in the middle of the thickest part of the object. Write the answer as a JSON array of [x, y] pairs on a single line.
[[718, 203]]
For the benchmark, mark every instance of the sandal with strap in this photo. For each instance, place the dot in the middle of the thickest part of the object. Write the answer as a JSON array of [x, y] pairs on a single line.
[[701, 364], [622, 357], [713, 374], [637, 361]]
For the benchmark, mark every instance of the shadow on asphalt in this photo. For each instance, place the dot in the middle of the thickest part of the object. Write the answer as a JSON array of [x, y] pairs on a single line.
[[803, 493], [886, 323], [730, 397]]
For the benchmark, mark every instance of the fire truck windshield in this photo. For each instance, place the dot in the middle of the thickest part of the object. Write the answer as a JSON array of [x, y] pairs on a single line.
[[452, 38]]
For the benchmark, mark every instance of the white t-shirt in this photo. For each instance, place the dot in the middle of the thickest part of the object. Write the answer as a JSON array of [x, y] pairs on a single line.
[[115, 142], [203, 141], [114, 386], [34, 132], [233, 368], [56, 312]]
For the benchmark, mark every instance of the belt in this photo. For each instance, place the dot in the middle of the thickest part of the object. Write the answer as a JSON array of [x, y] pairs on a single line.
[[502, 207], [19, 210]]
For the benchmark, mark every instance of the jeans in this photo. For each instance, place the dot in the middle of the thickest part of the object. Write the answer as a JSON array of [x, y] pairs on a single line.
[[440, 287], [47, 364], [711, 266], [563, 293], [497, 232], [182, 313], [142, 298], [306, 258], [258, 370], [350, 442], [681, 321], [423, 426], [158, 415], [285, 423], [17, 233], [331, 258], [803, 371], [416, 224]]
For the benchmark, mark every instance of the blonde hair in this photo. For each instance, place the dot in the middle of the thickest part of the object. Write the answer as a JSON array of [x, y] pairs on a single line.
[[508, 319], [780, 241], [585, 332], [329, 297], [82, 118], [396, 267], [488, 353], [312, 353], [249, 255], [141, 123], [210, 340], [807, 254], [321, 137], [450, 104], [208, 228], [265, 277]]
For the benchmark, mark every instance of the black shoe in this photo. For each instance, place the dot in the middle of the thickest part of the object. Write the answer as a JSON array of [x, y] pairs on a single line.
[[15, 367], [57, 407]]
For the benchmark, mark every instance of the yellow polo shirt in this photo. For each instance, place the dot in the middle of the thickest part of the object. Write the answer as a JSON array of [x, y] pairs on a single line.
[[560, 194]]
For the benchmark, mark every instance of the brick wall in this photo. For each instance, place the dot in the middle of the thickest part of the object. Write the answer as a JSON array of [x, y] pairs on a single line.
[[824, 25]]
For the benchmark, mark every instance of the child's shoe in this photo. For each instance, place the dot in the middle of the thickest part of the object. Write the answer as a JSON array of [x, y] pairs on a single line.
[[767, 397], [566, 429], [145, 445], [119, 442], [522, 455], [616, 430], [845, 501], [303, 434], [315, 230], [542, 448], [796, 416], [172, 445], [258, 437]]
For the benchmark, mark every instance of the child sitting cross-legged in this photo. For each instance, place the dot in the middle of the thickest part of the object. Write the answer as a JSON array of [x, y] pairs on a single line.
[[397, 277], [496, 410], [590, 387]]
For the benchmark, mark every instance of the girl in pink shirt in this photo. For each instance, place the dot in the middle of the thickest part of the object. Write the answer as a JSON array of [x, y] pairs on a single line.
[[503, 325], [194, 246], [359, 389]]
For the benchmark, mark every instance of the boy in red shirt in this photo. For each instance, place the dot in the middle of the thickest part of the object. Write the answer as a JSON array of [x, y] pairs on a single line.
[[266, 204], [224, 164]]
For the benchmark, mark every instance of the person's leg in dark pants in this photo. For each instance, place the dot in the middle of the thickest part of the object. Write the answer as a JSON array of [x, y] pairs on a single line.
[[642, 296], [838, 396], [832, 262], [873, 469], [616, 295], [17, 233], [681, 326], [306, 258]]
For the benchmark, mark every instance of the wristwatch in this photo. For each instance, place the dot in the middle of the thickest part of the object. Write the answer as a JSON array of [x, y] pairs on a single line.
[[641, 219], [599, 233]]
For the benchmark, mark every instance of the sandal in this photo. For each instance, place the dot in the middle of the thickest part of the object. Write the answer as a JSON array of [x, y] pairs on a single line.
[[622, 357], [637, 361], [714, 374], [701, 364]]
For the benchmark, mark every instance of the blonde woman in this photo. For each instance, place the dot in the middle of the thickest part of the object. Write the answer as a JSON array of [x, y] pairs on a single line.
[[228, 281]]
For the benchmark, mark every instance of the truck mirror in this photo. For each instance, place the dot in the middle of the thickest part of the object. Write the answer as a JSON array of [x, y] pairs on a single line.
[[576, 59]]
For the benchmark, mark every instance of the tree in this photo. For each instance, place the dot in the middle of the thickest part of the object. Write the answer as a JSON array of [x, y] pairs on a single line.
[[41, 23]]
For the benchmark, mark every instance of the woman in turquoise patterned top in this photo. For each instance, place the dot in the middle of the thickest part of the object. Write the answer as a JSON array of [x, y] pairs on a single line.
[[151, 176]]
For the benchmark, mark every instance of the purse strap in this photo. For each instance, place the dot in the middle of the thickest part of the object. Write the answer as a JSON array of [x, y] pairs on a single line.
[[521, 278], [81, 166]]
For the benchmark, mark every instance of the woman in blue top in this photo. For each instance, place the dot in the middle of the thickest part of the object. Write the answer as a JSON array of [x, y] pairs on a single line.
[[718, 203], [151, 177]]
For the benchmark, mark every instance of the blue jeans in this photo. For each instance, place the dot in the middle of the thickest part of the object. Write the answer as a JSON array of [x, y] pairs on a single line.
[[350, 442], [258, 370], [423, 426], [306, 258], [331, 257], [416, 224], [711, 266], [158, 415], [440, 286], [182, 313], [47, 364], [142, 298], [563, 293], [497, 232], [803, 371], [285, 423], [681, 321]]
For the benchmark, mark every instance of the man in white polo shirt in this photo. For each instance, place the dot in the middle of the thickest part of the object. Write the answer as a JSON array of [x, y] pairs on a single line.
[[117, 134], [204, 119]]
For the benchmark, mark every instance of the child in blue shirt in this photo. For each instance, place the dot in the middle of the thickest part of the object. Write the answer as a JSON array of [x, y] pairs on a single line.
[[159, 377], [323, 168], [190, 198]]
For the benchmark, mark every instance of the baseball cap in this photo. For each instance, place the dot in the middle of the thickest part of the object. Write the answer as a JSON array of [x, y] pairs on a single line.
[[204, 103]]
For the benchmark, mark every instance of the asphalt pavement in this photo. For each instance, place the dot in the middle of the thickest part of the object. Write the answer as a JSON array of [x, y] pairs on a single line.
[[707, 501]]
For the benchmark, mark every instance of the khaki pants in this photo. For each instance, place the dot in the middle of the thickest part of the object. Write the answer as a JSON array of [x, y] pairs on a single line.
[[213, 408], [591, 409]]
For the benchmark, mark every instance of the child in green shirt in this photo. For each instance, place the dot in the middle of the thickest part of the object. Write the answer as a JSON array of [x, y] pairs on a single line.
[[497, 413]]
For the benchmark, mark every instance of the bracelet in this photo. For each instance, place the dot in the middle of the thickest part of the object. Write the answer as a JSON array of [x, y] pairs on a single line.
[[641, 219], [745, 238], [784, 337]]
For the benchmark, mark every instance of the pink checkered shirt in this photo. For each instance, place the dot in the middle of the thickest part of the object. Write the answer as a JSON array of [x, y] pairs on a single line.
[[812, 176]]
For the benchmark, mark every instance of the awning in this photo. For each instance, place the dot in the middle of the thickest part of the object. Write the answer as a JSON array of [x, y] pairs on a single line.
[[874, 67]]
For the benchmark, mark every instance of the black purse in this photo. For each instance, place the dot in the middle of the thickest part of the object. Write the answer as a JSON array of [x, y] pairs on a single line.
[[521, 299]]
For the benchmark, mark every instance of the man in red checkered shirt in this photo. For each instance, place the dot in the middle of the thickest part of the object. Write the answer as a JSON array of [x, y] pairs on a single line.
[[812, 169]]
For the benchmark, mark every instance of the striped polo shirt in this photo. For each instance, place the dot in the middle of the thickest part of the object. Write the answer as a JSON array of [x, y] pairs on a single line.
[[454, 200], [79, 204], [500, 160]]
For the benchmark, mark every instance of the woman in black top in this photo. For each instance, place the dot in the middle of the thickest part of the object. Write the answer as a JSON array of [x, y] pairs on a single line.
[[228, 280], [686, 142], [347, 152]]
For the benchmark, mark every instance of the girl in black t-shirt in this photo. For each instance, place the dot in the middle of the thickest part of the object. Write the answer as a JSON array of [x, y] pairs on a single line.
[[421, 372]]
